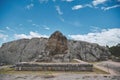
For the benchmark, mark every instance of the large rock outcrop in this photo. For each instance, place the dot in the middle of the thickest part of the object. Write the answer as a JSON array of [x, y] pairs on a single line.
[[57, 44], [88, 51], [22, 50], [56, 47]]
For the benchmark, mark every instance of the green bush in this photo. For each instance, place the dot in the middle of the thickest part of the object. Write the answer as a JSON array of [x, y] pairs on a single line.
[[115, 50]]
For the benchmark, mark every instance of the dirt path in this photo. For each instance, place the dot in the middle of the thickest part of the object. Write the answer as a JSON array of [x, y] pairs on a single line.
[[64, 76], [109, 66], [112, 72]]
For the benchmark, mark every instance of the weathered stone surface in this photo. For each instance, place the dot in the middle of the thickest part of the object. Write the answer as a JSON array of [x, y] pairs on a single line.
[[22, 50], [88, 51], [11, 52], [57, 44], [53, 66], [57, 48]]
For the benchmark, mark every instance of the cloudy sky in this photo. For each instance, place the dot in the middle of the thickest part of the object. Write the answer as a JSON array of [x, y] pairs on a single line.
[[96, 21]]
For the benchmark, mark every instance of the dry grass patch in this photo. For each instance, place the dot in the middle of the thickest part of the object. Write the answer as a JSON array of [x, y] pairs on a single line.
[[50, 73], [98, 71]]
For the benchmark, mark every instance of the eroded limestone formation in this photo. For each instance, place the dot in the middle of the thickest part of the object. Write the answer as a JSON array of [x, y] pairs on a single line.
[[54, 49], [57, 44]]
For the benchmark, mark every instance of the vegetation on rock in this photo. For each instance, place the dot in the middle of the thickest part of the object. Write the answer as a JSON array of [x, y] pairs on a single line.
[[115, 50]]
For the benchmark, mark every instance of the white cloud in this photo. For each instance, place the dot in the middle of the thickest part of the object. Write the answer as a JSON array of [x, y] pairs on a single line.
[[3, 37], [97, 2], [53, 0], [108, 37], [58, 10], [68, 0], [95, 29], [76, 23], [36, 25], [7, 28], [29, 6], [31, 35], [76, 7], [118, 0], [46, 27], [43, 1], [2, 31], [111, 7], [88, 5], [20, 25], [10, 29], [29, 20], [62, 19]]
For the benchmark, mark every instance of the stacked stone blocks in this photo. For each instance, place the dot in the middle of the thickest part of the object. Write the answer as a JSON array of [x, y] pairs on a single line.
[[28, 66]]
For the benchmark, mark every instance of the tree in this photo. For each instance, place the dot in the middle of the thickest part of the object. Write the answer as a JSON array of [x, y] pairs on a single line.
[[115, 50]]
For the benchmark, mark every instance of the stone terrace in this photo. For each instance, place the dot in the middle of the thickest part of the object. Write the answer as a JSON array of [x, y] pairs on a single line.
[[35, 66]]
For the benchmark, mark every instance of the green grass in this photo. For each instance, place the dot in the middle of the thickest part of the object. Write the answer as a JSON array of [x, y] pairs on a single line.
[[6, 70]]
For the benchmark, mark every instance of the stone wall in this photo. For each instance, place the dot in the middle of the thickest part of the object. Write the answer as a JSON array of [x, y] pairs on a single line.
[[30, 66]]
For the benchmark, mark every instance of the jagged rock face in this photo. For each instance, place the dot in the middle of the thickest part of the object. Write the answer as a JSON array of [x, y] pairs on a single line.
[[57, 44], [88, 51], [11, 52], [22, 50]]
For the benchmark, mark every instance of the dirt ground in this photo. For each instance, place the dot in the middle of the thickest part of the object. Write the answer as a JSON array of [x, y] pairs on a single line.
[[64, 76], [109, 70]]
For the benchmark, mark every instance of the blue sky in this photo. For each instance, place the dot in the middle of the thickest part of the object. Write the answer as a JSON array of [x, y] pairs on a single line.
[[96, 21]]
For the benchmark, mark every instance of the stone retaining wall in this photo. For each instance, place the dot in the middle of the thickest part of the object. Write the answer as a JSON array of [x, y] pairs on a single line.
[[53, 67]]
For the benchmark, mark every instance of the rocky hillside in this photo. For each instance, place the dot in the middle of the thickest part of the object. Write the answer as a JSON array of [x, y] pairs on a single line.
[[57, 44]]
